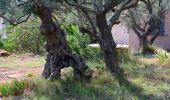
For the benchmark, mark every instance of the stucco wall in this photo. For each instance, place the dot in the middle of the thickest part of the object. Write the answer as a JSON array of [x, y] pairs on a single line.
[[120, 34], [2, 30]]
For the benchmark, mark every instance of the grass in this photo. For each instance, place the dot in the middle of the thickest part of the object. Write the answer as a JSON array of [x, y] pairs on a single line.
[[22, 60], [146, 80], [14, 88]]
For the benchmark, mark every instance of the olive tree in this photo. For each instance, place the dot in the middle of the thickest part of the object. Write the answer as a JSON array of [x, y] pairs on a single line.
[[59, 54], [97, 18], [147, 20]]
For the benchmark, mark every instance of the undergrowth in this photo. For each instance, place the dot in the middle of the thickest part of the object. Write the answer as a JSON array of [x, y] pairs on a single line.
[[142, 81], [14, 88]]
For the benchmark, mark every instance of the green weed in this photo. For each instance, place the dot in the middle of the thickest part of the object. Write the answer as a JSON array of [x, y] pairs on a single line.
[[14, 88], [162, 55]]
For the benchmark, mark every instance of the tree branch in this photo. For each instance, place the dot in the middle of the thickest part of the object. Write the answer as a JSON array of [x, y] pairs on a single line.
[[93, 35], [123, 6], [16, 22], [79, 6], [154, 37]]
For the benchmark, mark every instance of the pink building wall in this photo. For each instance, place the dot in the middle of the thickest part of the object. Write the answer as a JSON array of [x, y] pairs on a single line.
[[122, 35]]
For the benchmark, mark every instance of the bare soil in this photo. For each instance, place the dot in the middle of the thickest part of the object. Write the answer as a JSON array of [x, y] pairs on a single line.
[[19, 67], [7, 74]]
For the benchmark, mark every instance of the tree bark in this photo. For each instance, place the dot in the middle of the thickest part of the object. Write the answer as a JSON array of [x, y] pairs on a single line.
[[154, 38], [110, 56], [143, 42], [59, 54], [108, 45]]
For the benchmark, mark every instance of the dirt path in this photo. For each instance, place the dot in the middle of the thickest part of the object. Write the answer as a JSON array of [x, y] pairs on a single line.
[[7, 75]]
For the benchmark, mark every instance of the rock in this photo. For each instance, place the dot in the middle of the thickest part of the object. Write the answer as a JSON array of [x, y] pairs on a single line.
[[4, 53]]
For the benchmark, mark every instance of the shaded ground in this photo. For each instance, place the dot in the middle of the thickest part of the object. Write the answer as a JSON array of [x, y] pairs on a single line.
[[155, 71]]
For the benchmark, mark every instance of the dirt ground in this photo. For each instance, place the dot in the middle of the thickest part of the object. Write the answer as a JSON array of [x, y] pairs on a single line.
[[7, 75], [20, 67]]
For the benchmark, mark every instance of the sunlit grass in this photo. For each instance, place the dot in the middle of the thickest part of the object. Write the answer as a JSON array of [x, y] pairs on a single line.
[[16, 61]]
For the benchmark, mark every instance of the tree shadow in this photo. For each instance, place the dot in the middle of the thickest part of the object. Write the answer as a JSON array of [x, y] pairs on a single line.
[[133, 88]]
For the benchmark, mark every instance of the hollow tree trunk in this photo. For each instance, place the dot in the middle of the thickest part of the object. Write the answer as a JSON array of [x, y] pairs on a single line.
[[59, 54], [108, 46]]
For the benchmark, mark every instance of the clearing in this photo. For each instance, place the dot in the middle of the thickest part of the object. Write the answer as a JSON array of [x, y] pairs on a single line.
[[20, 66]]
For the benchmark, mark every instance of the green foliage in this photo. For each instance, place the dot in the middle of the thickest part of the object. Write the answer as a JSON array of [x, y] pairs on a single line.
[[14, 88], [124, 55], [162, 55], [1, 44], [25, 38], [79, 43]]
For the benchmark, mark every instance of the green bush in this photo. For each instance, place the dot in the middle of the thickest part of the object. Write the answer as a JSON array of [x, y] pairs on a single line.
[[14, 88], [79, 43], [161, 54], [25, 38]]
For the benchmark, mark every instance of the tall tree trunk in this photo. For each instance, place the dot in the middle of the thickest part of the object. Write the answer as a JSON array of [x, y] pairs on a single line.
[[110, 55], [59, 53], [108, 45]]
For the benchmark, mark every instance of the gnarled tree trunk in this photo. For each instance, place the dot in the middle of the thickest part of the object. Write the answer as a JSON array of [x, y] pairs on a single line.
[[59, 54]]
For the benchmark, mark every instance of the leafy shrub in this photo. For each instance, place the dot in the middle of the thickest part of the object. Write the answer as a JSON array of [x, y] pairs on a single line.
[[14, 88], [161, 54], [79, 43], [25, 38]]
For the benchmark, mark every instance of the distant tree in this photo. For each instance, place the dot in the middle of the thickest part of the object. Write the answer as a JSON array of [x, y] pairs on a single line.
[[59, 53], [97, 17], [147, 20]]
